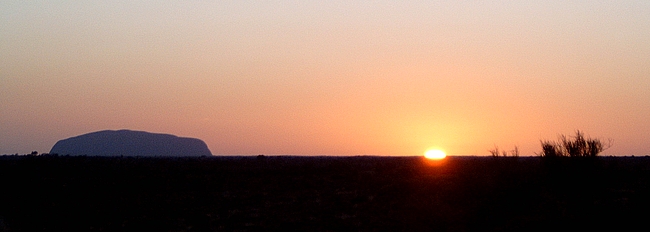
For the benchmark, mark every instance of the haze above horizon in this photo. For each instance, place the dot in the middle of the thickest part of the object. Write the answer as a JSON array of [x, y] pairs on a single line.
[[334, 77]]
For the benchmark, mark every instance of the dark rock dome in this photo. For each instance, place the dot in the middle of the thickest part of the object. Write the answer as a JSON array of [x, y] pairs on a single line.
[[130, 143]]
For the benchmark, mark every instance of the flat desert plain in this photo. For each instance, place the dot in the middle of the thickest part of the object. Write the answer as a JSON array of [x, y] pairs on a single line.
[[290, 193]]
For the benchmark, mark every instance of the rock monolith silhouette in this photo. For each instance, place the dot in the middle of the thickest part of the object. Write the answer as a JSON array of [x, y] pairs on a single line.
[[130, 143]]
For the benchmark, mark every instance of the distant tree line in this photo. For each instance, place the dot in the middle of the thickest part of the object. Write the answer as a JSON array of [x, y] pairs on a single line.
[[34, 153]]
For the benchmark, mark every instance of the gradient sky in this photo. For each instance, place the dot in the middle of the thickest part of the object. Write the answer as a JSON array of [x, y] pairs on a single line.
[[328, 77]]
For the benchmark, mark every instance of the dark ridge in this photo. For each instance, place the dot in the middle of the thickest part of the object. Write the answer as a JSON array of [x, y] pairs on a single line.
[[130, 143]]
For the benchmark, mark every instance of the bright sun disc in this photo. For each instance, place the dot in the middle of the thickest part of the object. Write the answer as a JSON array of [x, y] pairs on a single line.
[[435, 154]]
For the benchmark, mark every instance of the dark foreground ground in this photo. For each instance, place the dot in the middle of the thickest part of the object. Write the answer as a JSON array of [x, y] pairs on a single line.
[[41, 193]]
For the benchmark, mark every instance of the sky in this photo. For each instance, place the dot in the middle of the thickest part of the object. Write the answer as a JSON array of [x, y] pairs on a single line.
[[328, 77]]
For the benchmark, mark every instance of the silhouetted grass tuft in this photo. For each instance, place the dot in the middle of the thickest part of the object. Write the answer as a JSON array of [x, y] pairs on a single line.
[[576, 146]]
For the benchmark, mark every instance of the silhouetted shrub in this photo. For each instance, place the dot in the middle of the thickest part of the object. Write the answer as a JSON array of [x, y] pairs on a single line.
[[496, 152], [577, 146]]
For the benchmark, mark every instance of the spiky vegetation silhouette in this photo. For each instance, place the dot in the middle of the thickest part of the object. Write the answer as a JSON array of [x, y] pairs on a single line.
[[575, 146], [496, 152]]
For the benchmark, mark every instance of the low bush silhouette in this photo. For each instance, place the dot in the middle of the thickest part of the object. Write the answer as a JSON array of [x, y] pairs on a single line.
[[503, 153], [575, 146]]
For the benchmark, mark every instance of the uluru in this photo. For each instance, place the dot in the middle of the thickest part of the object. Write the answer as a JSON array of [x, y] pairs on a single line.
[[131, 143]]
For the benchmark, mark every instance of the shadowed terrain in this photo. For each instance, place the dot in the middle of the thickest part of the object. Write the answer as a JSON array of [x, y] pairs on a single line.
[[130, 143], [59, 193]]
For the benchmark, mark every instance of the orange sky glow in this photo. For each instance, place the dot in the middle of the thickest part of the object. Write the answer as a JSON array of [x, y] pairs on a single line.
[[328, 78]]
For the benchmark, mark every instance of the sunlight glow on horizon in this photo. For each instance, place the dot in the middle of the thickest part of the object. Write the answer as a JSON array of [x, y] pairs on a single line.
[[435, 154], [334, 77]]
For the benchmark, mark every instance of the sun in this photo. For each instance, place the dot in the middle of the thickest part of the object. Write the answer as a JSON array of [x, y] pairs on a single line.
[[435, 154]]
